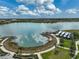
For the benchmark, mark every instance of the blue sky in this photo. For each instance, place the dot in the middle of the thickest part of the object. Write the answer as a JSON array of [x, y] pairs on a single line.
[[39, 8]]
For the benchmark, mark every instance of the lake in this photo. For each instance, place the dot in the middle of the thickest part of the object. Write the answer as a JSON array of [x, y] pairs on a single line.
[[29, 33]]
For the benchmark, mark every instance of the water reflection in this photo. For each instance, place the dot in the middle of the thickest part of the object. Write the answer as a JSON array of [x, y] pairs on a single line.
[[29, 33]]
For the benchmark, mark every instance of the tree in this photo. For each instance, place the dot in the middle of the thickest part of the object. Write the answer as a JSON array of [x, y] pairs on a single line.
[[72, 48], [61, 41], [76, 35]]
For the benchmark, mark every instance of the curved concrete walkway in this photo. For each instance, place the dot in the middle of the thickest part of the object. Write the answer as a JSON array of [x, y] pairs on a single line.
[[38, 53], [5, 50]]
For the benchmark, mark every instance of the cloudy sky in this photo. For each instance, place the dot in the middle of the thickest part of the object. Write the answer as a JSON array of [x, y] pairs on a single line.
[[39, 8]]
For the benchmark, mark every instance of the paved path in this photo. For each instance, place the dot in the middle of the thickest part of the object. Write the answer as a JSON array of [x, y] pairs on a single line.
[[76, 51], [3, 41], [4, 49], [63, 47], [39, 53], [76, 43], [39, 56]]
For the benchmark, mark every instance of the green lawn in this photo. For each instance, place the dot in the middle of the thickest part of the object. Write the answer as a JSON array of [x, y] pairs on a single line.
[[77, 57], [0, 41], [63, 54], [78, 47], [67, 43]]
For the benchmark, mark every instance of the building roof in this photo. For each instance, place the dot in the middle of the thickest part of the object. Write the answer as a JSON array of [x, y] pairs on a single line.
[[64, 34]]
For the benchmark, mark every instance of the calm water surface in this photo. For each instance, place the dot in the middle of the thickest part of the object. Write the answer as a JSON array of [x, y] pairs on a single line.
[[29, 33]]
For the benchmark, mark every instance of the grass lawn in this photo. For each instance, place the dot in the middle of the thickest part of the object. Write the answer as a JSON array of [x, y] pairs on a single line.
[[72, 30], [62, 54], [67, 43], [78, 47], [0, 41], [77, 57]]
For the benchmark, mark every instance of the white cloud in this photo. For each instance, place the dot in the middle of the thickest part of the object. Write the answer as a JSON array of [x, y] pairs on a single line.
[[25, 10], [45, 7], [58, 10], [26, 1], [72, 11], [47, 10], [51, 6], [5, 11], [35, 1], [2, 8], [42, 10]]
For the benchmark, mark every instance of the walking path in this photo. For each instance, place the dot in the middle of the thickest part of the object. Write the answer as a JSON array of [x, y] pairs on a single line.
[[76, 51], [5, 50], [39, 56], [63, 47], [39, 53]]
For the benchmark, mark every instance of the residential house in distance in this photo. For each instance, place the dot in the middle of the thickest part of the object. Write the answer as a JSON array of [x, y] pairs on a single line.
[[63, 34]]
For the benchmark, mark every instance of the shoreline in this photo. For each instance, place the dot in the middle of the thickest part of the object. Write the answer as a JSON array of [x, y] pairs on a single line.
[[8, 21], [30, 49]]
